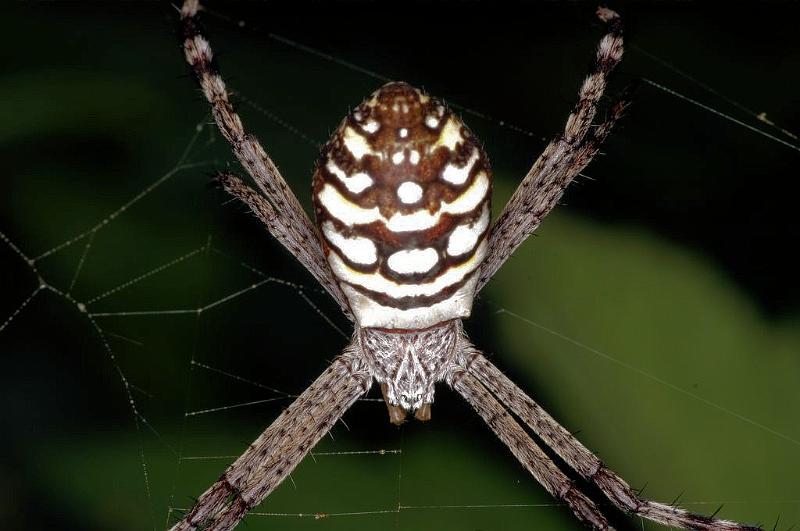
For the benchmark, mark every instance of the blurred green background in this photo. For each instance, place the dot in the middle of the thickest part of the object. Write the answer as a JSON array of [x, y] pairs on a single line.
[[656, 313]]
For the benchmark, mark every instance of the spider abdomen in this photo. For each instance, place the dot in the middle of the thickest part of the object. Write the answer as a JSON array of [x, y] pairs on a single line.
[[402, 196]]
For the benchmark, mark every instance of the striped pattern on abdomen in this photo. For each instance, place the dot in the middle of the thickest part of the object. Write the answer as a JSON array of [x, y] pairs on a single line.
[[402, 196]]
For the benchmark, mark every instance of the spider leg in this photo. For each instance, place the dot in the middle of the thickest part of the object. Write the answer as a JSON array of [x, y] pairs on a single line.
[[281, 447], [562, 159], [578, 457], [297, 234], [527, 452], [308, 250]]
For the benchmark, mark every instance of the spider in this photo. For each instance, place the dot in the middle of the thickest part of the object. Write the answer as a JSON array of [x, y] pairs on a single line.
[[403, 243]]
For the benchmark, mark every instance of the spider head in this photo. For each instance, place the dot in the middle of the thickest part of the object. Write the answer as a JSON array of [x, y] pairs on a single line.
[[408, 363], [402, 197]]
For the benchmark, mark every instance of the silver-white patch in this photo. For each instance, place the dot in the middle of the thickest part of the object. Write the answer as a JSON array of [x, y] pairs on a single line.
[[344, 210], [458, 175], [369, 313], [358, 250], [398, 157], [464, 237], [450, 136], [409, 192], [377, 282], [471, 197], [371, 126], [356, 183], [357, 145], [411, 261], [350, 213], [413, 157]]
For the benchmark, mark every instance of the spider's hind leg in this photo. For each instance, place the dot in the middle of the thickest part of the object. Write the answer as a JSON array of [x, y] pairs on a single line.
[[523, 447], [580, 458]]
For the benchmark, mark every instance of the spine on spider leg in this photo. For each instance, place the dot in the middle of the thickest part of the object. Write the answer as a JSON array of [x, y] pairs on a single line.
[[578, 457], [280, 448], [200, 57], [288, 222], [562, 159], [524, 448], [531, 413], [580, 120], [608, 56], [309, 253]]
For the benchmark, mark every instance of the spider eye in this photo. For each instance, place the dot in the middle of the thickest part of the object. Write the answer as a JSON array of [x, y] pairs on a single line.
[[404, 173]]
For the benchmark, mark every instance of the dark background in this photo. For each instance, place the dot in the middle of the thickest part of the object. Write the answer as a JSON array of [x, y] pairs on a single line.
[[674, 265]]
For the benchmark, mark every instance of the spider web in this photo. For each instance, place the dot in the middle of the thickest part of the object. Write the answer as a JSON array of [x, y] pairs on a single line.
[[233, 332]]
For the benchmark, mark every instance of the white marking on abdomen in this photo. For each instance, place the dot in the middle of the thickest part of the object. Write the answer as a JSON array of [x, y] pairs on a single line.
[[450, 135], [370, 313], [409, 192], [350, 213], [357, 145], [413, 261], [379, 283], [456, 175], [470, 198], [464, 237], [346, 211], [419, 220], [358, 250], [356, 183], [371, 126]]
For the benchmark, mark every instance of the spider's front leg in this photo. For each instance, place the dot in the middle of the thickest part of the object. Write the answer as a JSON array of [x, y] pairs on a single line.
[[577, 456], [563, 158], [304, 245], [276, 205]]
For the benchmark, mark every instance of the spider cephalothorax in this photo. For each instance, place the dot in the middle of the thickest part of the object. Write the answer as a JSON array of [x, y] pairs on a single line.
[[407, 364], [403, 243]]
